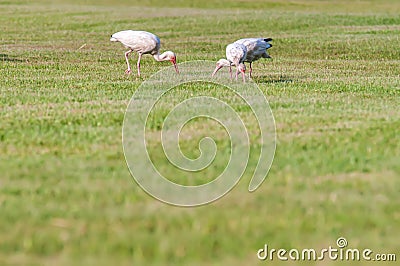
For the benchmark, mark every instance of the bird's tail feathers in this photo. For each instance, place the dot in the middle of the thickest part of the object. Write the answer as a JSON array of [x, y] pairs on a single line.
[[268, 39]]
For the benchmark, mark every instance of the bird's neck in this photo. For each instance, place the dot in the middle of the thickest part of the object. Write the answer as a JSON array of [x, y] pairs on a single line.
[[161, 57]]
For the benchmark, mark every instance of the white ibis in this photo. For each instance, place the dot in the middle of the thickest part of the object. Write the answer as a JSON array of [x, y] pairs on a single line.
[[256, 49], [235, 55], [142, 42]]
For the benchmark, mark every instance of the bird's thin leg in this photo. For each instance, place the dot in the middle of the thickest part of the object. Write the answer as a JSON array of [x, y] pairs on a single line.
[[230, 70], [128, 71], [244, 79], [251, 70], [237, 72], [138, 64]]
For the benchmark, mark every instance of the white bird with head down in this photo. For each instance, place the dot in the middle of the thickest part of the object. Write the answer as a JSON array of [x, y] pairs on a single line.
[[256, 49], [235, 55], [142, 42]]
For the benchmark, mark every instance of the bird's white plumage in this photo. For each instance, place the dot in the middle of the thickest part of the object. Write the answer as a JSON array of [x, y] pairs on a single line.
[[236, 53], [142, 42], [256, 49], [139, 41]]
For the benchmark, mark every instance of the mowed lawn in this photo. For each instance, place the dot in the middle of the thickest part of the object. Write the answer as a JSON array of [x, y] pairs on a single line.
[[67, 197]]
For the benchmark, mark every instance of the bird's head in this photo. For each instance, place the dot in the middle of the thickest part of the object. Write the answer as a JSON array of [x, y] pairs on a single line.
[[171, 56], [113, 39], [220, 64]]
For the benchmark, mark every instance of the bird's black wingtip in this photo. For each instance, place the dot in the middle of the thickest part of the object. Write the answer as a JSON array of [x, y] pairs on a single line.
[[268, 39]]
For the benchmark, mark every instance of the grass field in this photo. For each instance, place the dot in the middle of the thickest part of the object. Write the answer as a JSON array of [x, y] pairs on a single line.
[[67, 197]]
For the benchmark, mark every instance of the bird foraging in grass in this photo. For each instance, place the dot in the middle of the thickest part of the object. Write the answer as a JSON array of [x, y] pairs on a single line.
[[235, 55], [142, 42], [256, 49]]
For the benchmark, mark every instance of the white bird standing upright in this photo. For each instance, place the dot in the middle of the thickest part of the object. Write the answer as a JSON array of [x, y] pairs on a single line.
[[142, 42], [235, 55], [256, 49]]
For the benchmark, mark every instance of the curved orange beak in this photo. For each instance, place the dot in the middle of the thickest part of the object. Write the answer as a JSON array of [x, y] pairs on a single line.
[[173, 61], [218, 67]]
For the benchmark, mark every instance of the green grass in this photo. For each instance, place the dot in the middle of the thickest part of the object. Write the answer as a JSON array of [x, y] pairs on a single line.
[[66, 195]]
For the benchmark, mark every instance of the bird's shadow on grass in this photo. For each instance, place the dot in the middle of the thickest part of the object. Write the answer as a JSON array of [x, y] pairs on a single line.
[[6, 58], [273, 79]]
